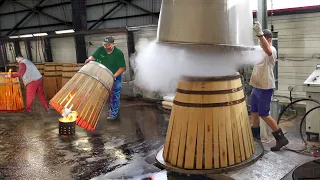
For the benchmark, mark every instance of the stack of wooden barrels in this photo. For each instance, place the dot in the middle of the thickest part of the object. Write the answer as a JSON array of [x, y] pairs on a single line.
[[57, 75], [50, 81], [68, 71], [40, 67]]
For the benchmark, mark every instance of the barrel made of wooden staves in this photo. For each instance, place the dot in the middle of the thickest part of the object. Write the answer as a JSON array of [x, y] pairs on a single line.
[[59, 75], [68, 71], [40, 67], [50, 79], [11, 98], [86, 93], [209, 126]]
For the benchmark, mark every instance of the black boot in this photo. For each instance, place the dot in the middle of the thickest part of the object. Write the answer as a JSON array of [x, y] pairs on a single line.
[[281, 140], [256, 132]]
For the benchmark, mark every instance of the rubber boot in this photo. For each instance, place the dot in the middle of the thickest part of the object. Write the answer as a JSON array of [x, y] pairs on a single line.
[[256, 132], [281, 140]]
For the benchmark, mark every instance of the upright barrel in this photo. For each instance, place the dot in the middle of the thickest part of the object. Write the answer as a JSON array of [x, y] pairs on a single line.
[[59, 75], [86, 93], [209, 125], [50, 79], [40, 67]]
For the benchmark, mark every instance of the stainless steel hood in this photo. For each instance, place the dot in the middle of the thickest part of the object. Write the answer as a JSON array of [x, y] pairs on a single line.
[[215, 22]]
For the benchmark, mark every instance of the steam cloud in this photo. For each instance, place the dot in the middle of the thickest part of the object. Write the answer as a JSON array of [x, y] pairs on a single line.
[[158, 66]]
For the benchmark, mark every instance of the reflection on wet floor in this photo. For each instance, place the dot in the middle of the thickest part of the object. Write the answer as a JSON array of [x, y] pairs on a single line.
[[30, 147]]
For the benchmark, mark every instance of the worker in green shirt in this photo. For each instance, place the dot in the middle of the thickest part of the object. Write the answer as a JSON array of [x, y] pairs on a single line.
[[111, 57]]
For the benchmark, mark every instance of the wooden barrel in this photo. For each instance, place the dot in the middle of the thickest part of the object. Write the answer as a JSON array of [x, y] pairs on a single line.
[[59, 75], [50, 79], [209, 125], [86, 93], [68, 71], [11, 98], [40, 67]]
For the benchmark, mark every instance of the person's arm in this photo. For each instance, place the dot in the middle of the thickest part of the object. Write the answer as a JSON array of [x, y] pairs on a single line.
[[265, 45], [122, 66], [94, 56], [119, 72], [21, 71], [90, 59], [263, 41]]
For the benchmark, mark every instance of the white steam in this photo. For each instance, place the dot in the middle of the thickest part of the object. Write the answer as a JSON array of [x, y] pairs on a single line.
[[158, 66]]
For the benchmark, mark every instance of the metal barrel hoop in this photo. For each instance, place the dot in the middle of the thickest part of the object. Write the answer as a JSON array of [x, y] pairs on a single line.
[[97, 78]]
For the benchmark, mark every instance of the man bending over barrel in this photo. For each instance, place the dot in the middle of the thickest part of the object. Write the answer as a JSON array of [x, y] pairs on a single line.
[[32, 79], [113, 58], [263, 82]]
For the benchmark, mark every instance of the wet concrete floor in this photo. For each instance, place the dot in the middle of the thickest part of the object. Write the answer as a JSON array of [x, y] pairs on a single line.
[[30, 147]]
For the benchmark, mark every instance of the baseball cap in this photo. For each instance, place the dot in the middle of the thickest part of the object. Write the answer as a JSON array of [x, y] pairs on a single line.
[[18, 55], [108, 40], [267, 33]]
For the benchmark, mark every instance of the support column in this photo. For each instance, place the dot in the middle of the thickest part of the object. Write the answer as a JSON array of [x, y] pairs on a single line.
[[48, 50], [28, 49], [16, 46], [79, 18], [131, 50], [275, 44], [262, 14]]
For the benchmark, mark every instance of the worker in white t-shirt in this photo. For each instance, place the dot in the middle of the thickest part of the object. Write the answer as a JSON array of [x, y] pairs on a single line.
[[263, 82]]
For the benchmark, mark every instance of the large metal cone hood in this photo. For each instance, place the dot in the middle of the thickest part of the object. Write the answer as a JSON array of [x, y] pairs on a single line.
[[218, 22]]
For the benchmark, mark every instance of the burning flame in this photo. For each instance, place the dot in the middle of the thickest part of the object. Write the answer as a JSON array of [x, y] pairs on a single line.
[[68, 115], [70, 118], [9, 71]]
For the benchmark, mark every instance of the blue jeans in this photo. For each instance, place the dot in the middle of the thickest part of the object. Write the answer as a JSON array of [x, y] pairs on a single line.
[[115, 97], [260, 100]]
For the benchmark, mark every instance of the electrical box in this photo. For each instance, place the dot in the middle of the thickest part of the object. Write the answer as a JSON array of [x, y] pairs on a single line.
[[312, 89]]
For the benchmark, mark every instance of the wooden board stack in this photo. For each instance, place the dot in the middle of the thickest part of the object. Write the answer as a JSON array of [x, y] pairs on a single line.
[[167, 102], [10, 94]]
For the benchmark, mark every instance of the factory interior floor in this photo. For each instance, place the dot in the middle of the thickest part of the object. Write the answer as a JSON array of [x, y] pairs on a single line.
[[30, 147]]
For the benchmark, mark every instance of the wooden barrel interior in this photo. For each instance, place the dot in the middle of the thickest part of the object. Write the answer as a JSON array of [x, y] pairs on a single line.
[[11, 98], [86, 93], [209, 125], [68, 71]]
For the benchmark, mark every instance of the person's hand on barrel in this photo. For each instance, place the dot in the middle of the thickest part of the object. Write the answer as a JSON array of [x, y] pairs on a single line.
[[8, 76], [90, 59]]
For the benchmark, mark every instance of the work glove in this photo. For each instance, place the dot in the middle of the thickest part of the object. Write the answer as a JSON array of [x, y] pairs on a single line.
[[8, 76], [257, 28]]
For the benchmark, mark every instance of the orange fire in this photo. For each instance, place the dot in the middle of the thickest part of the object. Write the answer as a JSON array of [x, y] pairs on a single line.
[[70, 118]]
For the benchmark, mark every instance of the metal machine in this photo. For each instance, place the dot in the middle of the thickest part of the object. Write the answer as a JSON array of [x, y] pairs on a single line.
[[312, 89]]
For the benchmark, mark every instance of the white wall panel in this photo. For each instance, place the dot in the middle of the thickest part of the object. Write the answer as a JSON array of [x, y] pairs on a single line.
[[10, 52], [299, 44], [23, 49], [37, 50], [63, 50]]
